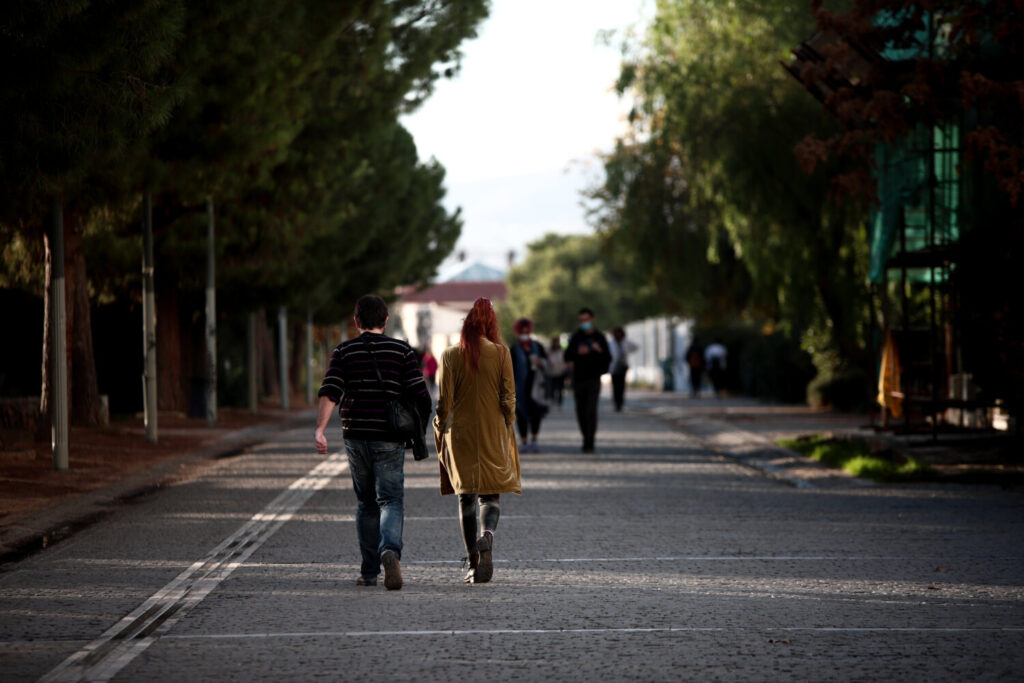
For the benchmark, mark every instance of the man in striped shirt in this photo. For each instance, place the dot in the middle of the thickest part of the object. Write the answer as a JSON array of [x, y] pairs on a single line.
[[375, 455]]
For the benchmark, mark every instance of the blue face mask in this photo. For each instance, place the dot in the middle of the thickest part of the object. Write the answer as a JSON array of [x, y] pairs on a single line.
[[587, 326]]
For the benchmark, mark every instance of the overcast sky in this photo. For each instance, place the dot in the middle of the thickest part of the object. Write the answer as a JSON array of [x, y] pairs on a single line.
[[519, 128]]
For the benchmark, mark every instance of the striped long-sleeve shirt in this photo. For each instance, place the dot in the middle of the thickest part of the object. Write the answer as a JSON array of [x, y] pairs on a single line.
[[352, 381]]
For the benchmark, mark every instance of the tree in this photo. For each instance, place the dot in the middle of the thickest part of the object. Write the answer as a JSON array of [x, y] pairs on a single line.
[[286, 104], [889, 66], [84, 96], [890, 74], [561, 274], [704, 200]]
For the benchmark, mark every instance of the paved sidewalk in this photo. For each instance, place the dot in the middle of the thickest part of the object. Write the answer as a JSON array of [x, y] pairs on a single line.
[[654, 559], [42, 507], [748, 430]]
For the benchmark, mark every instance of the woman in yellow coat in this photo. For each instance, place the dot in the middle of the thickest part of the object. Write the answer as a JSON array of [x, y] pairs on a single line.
[[476, 443]]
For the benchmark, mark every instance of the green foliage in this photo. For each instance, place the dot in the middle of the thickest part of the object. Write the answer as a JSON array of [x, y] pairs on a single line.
[[761, 363], [856, 457], [284, 113], [81, 93], [704, 201], [563, 273]]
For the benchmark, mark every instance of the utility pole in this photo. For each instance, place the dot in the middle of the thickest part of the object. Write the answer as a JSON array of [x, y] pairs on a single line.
[[211, 320], [148, 320], [59, 359], [282, 336]]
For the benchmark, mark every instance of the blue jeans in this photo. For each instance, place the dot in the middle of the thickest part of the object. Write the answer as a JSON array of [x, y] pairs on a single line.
[[378, 480]]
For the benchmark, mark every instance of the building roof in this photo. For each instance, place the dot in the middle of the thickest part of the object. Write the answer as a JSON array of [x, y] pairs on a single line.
[[456, 293], [477, 272]]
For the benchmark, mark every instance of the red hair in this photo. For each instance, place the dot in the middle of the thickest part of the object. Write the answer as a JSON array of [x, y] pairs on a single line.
[[481, 322]]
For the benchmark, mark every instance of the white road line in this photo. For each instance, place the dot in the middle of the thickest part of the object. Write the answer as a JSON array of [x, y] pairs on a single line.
[[724, 558], [101, 659], [594, 631]]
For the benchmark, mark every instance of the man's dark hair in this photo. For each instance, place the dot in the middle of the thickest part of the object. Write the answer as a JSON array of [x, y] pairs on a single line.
[[587, 311], [371, 311]]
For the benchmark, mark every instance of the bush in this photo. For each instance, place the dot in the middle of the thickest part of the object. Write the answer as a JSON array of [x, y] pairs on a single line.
[[769, 366], [849, 390]]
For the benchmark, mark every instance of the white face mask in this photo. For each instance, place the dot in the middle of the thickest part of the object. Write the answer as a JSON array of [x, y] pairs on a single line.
[[524, 337]]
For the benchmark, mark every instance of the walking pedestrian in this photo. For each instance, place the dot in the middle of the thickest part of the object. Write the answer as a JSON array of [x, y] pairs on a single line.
[[695, 362], [364, 374], [620, 348], [430, 369], [529, 365], [587, 351], [473, 432], [715, 358], [556, 372]]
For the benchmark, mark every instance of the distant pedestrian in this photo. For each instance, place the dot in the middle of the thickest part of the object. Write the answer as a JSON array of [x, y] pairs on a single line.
[[473, 432], [695, 362], [556, 372], [529, 365], [620, 348], [587, 351], [375, 454], [715, 359], [429, 369]]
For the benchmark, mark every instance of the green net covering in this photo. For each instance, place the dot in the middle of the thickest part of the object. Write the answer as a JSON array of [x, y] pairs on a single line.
[[918, 192]]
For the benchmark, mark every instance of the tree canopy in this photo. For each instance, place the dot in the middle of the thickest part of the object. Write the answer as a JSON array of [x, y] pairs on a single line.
[[283, 114], [563, 273], [704, 201]]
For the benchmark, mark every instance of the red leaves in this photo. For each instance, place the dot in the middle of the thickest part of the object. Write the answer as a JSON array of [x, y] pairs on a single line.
[[811, 151], [953, 71], [1002, 160]]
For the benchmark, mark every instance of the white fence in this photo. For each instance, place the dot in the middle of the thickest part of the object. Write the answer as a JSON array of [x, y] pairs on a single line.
[[659, 340]]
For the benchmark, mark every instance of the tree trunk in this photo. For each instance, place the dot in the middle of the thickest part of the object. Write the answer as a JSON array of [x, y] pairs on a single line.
[[297, 346], [172, 380], [251, 361], [86, 409], [267, 355]]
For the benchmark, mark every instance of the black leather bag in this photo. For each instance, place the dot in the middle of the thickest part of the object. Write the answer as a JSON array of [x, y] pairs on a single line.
[[402, 416]]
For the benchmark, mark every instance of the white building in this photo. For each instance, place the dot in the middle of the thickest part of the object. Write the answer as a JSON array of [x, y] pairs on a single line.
[[433, 317]]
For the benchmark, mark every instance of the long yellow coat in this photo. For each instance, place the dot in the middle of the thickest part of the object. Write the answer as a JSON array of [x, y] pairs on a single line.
[[473, 429]]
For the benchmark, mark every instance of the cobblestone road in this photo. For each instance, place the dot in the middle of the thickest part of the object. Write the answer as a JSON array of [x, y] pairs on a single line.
[[655, 559]]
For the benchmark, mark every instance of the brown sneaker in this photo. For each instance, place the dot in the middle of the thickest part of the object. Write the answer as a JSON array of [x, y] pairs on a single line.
[[392, 570], [485, 567]]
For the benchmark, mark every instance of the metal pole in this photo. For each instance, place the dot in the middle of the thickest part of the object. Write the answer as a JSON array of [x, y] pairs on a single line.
[[250, 358], [59, 360], [211, 320], [148, 320], [282, 336], [310, 361]]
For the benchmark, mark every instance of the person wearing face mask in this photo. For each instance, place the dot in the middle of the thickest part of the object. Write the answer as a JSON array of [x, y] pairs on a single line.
[[529, 365], [587, 352]]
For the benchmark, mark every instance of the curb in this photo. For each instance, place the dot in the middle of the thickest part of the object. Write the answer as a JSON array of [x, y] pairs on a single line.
[[47, 527], [757, 452]]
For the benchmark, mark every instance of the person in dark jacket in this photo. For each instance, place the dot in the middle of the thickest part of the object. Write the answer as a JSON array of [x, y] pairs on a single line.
[[588, 353], [375, 455], [529, 363]]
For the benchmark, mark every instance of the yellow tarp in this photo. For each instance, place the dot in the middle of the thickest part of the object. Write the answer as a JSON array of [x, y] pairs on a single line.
[[889, 395]]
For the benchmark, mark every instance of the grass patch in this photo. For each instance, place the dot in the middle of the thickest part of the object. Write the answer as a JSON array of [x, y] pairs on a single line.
[[855, 457]]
